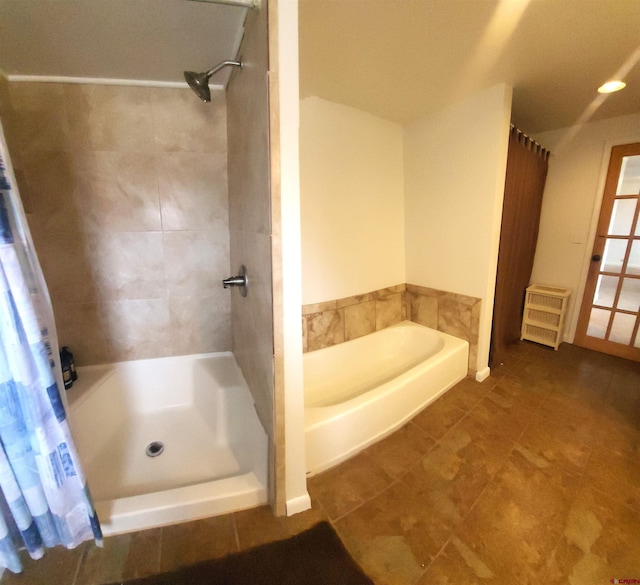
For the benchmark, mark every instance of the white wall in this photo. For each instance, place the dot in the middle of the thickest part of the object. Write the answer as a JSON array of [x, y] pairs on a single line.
[[284, 29], [571, 203], [454, 170], [352, 205]]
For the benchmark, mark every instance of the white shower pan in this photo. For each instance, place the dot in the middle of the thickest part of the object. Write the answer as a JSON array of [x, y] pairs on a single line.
[[168, 440]]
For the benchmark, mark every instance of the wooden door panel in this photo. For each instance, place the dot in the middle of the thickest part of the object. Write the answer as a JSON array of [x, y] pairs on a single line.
[[609, 319]]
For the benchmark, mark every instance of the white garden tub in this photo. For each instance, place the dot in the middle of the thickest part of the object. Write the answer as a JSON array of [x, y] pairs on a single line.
[[362, 390], [214, 459]]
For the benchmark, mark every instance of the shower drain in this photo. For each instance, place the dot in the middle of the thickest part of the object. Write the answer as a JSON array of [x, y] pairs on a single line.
[[154, 449]]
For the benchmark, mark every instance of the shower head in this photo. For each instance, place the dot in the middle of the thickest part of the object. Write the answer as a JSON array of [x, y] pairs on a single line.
[[199, 82]]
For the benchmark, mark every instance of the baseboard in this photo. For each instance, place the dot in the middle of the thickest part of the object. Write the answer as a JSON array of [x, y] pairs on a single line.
[[482, 375], [299, 504]]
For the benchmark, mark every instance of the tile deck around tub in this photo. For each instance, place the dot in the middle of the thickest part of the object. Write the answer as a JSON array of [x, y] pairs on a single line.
[[532, 476]]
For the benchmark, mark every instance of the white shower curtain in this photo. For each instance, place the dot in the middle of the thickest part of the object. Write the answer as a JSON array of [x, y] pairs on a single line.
[[44, 500]]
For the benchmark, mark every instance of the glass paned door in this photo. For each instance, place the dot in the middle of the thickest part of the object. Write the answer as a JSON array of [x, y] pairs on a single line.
[[609, 320]]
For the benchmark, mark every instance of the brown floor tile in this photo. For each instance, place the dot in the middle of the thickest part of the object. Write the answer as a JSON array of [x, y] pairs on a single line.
[[618, 423], [394, 536], [547, 443], [58, 566], [144, 554], [599, 542], [345, 487], [457, 564], [616, 476], [191, 542], [466, 394], [573, 357], [123, 557], [618, 429], [622, 392], [513, 392], [305, 520], [489, 382], [438, 417], [584, 382], [579, 417], [502, 415], [107, 564], [518, 520], [507, 366], [455, 472], [526, 348], [259, 526], [594, 397], [397, 453], [535, 372]]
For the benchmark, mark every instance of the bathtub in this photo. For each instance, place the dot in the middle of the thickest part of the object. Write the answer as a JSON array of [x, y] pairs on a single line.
[[213, 457], [359, 391]]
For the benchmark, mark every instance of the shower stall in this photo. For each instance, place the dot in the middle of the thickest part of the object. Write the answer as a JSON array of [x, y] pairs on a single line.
[[141, 200], [168, 439]]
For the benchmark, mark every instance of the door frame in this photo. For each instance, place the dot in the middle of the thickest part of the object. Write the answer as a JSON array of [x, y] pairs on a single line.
[[607, 145], [607, 148]]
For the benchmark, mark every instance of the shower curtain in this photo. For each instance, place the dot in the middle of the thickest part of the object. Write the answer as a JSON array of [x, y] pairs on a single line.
[[44, 499], [527, 165]]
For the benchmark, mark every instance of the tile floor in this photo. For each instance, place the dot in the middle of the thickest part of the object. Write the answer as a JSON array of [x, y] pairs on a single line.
[[532, 476]]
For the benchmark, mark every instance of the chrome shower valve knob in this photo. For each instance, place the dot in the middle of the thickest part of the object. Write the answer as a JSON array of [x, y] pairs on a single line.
[[240, 281]]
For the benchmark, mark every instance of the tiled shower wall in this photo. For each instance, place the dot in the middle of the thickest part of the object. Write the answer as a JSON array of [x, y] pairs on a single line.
[[252, 231], [125, 190], [328, 323], [250, 216]]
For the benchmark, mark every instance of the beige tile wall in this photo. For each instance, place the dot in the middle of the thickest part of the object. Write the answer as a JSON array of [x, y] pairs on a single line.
[[251, 227], [250, 215], [332, 322], [125, 190], [452, 313]]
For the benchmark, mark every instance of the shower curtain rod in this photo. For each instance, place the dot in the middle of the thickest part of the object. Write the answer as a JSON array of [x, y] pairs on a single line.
[[531, 143], [243, 3]]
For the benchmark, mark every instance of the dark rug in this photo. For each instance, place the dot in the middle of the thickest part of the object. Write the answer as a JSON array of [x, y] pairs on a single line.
[[314, 557]]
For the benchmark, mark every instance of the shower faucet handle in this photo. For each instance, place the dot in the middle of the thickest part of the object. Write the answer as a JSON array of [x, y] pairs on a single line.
[[234, 281], [240, 281]]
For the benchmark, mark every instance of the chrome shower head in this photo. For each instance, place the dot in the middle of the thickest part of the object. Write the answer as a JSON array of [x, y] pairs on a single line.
[[199, 82]]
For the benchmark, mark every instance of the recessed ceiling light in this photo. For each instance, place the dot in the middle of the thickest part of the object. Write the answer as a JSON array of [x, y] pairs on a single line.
[[612, 86]]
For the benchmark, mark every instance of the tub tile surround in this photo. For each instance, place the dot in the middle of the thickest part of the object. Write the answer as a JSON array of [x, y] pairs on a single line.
[[332, 322], [125, 190], [457, 495], [455, 314]]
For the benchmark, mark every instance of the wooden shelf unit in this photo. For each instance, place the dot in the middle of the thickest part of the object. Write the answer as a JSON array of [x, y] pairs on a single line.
[[545, 309]]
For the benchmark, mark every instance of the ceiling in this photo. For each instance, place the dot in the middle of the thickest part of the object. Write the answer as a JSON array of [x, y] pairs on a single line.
[[118, 39], [399, 59], [403, 59]]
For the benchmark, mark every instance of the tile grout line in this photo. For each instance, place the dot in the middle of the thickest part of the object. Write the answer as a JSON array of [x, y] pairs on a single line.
[[235, 531], [454, 532], [466, 415], [582, 480], [357, 507], [433, 560], [532, 411], [160, 549], [609, 495], [80, 561]]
